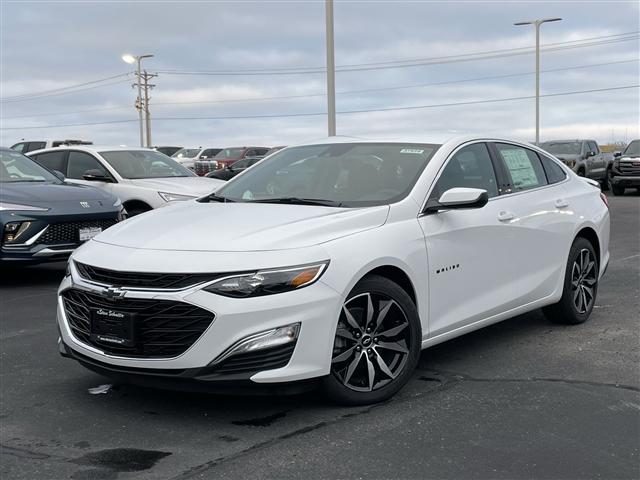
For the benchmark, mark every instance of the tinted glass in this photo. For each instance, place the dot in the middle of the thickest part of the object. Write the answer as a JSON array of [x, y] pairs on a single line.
[[240, 164], [593, 147], [144, 164], [19, 147], [559, 148], [36, 145], [361, 174], [80, 162], [208, 153], [52, 160], [523, 166], [186, 153], [554, 172], [230, 153], [633, 149], [15, 167], [470, 167]]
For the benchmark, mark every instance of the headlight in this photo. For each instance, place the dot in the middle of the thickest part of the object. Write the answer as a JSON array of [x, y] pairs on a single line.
[[267, 282], [16, 207], [174, 197]]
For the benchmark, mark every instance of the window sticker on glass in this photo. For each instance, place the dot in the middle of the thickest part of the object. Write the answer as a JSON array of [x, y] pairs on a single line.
[[520, 167], [412, 150]]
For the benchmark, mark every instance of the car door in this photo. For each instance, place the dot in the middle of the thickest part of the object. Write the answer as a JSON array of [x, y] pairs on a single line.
[[598, 161], [466, 248]]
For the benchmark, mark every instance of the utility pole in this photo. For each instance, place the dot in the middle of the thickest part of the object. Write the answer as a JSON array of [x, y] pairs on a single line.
[[145, 78], [127, 58], [537, 24], [331, 71]]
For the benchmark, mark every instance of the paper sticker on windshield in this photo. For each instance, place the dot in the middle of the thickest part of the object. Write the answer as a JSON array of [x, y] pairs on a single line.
[[412, 150]]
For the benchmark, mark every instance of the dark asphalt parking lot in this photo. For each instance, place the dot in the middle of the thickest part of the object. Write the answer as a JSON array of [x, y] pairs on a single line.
[[521, 399]]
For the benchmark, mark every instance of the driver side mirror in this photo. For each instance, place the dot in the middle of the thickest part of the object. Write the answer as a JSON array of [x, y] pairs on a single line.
[[617, 154], [95, 175], [458, 198], [591, 154]]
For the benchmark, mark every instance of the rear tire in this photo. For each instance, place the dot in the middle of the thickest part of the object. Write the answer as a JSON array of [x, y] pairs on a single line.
[[377, 343], [580, 285]]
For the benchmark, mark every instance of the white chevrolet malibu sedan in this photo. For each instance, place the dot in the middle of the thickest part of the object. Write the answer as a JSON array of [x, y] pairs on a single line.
[[335, 263]]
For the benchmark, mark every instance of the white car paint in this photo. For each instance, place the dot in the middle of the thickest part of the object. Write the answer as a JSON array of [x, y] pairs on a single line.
[[468, 268], [145, 190]]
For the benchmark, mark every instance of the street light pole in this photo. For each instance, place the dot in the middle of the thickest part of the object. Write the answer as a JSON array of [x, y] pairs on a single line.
[[331, 71], [537, 24], [137, 60]]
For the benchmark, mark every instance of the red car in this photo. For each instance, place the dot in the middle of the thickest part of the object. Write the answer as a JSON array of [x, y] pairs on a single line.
[[228, 156]]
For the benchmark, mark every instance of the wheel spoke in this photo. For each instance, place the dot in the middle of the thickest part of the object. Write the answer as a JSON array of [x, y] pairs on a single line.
[[584, 300], [352, 367], [369, 311], [590, 281], [384, 367], [589, 268], [577, 299], [584, 258], [350, 320], [371, 371], [392, 332], [396, 347], [383, 313], [344, 333], [343, 356], [588, 291]]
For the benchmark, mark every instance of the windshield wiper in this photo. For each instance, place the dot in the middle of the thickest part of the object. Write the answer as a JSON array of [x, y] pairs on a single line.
[[299, 201], [212, 197]]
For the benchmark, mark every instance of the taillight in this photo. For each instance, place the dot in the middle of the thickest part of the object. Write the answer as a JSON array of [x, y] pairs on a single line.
[[604, 199]]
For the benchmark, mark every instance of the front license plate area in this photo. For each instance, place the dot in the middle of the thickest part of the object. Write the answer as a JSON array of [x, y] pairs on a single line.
[[113, 328], [89, 233]]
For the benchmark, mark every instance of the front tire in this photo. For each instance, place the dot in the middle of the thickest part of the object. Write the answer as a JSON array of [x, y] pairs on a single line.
[[580, 285], [377, 343]]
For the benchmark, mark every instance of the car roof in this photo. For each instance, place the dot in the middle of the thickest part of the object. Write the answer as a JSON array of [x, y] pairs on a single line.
[[92, 148]]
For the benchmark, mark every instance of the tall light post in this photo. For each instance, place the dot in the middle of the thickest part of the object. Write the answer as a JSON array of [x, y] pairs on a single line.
[[127, 58], [537, 24], [331, 71]]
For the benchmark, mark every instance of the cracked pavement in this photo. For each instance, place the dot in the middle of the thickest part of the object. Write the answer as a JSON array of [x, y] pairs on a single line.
[[521, 399]]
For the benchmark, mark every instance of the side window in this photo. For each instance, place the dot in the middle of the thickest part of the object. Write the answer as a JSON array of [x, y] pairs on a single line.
[[240, 164], [554, 172], [523, 166], [20, 147], [250, 153], [470, 167], [52, 160], [262, 151], [593, 147], [80, 162], [36, 146]]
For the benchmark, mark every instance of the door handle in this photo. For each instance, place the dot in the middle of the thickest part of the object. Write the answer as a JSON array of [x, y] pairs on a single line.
[[561, 203], [505, 216]]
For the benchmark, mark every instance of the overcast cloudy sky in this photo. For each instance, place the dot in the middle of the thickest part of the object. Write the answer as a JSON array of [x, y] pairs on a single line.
[[52, 45]]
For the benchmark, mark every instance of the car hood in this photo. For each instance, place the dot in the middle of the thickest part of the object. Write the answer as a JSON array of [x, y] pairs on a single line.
[[195, 186], [43, 194], [240, 227]]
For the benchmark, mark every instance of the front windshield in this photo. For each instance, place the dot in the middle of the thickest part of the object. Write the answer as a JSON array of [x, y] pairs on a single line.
[[343, 174], [15, 167], [229, 153], [566, 148], [186, 153], [633, 149], [135, 164]]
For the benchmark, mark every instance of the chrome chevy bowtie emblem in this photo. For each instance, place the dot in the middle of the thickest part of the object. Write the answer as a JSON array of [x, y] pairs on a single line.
[[85, 205], [113, 292]]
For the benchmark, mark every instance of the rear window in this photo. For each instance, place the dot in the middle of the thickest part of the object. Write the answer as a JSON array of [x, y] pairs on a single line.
[[554, 172]]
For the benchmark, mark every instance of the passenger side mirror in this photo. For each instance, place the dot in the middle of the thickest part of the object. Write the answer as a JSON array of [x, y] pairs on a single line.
[[617, 154], [591, 154], [60, 175], [458, 198], [95, 175]]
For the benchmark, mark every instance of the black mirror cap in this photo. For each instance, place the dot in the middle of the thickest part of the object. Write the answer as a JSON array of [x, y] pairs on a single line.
[[95, 175], [617, 154], [433, 206]]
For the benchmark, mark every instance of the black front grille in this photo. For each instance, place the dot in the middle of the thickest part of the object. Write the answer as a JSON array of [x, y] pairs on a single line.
[[202, 168], [164, 328], [629, 168], [141, 279], [267, 359], [69, 232]]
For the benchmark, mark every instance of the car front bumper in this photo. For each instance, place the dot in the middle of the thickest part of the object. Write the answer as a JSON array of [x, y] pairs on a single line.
[[315, 308], [626, 181]]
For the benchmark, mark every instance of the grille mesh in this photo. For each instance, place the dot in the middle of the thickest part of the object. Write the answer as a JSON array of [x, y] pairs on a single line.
[[69, 232], [164, 328], [628, 168]]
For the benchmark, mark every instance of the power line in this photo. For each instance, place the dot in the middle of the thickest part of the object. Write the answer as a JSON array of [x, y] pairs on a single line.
[[552, 47], [47, 92], [346, 92], [344, 112], [66, 92]]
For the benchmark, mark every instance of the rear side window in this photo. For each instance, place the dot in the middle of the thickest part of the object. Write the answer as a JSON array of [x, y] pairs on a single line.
[[593, 147], [80, 162], [20, 147], [554, 172], [36, 146], [523, 166], [52, 160]]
